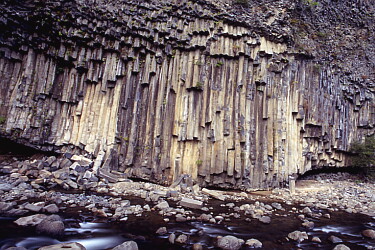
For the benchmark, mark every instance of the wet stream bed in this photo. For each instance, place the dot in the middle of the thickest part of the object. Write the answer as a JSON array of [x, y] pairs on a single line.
[[102, 233]]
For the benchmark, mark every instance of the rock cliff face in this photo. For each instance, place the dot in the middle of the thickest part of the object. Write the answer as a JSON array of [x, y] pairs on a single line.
[[235, 95]]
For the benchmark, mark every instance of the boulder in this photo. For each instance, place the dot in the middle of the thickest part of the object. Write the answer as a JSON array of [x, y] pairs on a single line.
[[229, 242], [341, 247], [51, 225], [197, 246], [33, 208], [5, 187], [316, 239], [265, 219], [334, 239], [214, 194], [277, 206], [5, 206], [83, 161], [369, 233], [191, 203], [172, 238], [71, 246], [127, 245], [161, 231], [298, 236], [162, 205], [51, 208], [306, 210], [180, 218], [31, 220], [308, 224], [254, 243], [182, 239]]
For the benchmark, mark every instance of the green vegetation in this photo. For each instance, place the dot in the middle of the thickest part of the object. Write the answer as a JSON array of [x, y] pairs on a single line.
[[2, 119], [219, 64], [363, 152], [363, 155], [199, 163], [199, 85], [321, 34], [312, 3]]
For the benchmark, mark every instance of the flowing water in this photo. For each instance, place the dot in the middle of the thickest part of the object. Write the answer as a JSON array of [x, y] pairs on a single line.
[[98, 234]]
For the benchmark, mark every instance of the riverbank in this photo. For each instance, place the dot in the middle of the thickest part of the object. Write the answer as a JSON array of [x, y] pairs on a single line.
[[187, 216]]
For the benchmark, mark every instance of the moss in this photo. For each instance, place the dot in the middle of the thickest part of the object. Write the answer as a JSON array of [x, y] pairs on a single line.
[[219, 64], [2, 120]]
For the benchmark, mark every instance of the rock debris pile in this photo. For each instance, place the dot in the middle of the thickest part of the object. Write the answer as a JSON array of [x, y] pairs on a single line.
[[26, 193]]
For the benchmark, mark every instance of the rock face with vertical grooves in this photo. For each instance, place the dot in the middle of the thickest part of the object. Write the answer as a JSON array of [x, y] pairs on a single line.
[[239, 96]]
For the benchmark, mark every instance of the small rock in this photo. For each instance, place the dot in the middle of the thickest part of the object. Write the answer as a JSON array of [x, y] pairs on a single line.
[[31, 220], [341, 247], [328, 216], [51, 208], [162, 205], [265, 219], [298, 236], [197, 246], [229, 242], [306, 210], [127, 245], [316, 239], [334, 239], [214, 194], [369, 233], [33, 208], [172, 238], [161, 231], [254, 243], [277, 205], [190, 203], [205, 217], [308, 224], [72, 246], [182, 239], [180, 218], [5, 206], [5, 187]]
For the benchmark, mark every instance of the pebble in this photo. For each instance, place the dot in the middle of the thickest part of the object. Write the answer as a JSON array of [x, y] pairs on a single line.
[[341, 247], [253, 243], [182, 239], [369, 233], [334, 239], [162, 231]]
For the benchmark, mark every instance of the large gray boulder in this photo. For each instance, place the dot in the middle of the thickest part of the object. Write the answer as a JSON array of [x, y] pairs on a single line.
[[369, 233], [229, 242], [254, 243], [341, 247], [51, 225], [31, 220], [5, 187], [68, 246], [298, 236], [127, 245]]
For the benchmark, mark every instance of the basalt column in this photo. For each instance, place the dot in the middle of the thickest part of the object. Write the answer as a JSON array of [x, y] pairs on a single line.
[[157, 90]]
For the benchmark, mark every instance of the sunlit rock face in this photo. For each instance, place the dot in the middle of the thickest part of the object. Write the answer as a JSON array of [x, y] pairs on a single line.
[[236, 96]]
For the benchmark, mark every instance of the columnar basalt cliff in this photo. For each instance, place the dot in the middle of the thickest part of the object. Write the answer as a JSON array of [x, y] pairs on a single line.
[[235, 95]]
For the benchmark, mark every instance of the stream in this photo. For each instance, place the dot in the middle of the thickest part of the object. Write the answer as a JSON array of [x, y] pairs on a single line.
[[100, 233]]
